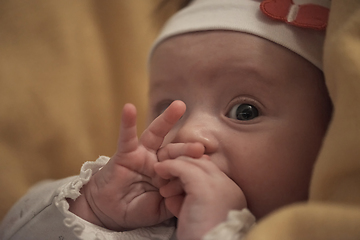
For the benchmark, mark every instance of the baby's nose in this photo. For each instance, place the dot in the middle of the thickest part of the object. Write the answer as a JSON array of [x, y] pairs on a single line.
[[198, 130]]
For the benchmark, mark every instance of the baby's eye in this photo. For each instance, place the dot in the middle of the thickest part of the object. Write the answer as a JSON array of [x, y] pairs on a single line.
[[243, 112]]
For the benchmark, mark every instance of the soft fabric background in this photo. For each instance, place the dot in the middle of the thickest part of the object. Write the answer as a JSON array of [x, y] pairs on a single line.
[[66, 69]]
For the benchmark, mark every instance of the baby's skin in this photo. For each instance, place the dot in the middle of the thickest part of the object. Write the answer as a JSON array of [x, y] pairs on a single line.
[[198, 192], [145, 183]]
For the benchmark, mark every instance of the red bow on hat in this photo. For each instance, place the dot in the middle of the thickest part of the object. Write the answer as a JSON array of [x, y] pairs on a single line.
[[302, 15]]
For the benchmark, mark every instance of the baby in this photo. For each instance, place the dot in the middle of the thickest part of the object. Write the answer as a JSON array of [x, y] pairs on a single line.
[[238, 110]]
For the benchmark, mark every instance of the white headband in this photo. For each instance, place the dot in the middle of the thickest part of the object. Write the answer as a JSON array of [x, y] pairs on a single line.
[[254, 17]]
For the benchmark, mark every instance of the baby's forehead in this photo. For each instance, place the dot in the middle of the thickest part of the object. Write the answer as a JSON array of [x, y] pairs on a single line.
[[223, 51], [225, 58], [221, 42]]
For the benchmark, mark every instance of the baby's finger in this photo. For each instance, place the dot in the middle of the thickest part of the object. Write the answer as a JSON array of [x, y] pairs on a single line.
[[175, 150], [128, 140], [153, 136], [173, 204], [193, 173], [172, 188]]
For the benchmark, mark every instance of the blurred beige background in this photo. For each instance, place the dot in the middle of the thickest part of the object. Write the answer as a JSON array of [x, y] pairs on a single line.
[[66, 69]]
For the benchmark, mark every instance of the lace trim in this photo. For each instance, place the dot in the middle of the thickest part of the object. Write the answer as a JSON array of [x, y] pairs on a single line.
[[236, 226], [86, 230], [72, 190]]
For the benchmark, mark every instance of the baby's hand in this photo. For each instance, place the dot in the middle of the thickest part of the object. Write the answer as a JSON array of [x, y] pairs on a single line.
[[124, 194], [175, 150], [198, 193]]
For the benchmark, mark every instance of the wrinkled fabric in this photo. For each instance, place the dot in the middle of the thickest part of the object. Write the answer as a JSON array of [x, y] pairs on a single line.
[[66, 70], [236, 226], [43, 213]]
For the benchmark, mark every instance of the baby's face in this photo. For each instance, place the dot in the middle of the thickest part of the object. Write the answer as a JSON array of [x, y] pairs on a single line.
[[260, 110]]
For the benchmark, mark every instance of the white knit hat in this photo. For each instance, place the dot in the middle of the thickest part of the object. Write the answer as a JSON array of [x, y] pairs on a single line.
[[270, 19]]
